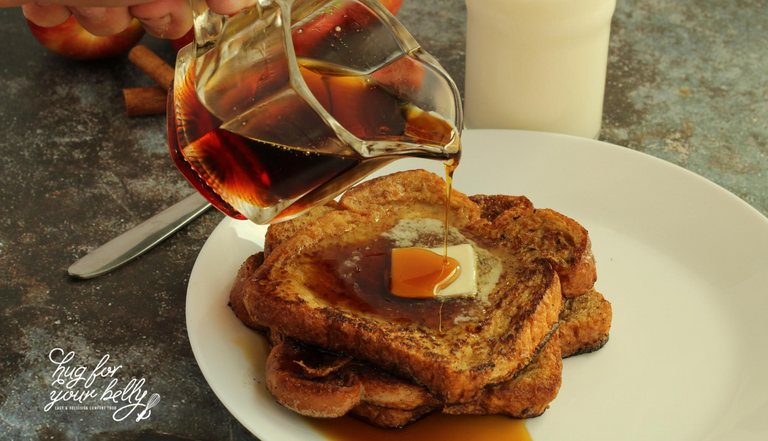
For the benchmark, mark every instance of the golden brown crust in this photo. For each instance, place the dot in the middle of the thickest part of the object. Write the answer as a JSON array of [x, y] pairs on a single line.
[[491, 206], [291, 378], [328, 396], [389, 418], [236, 297], [528, 395], [550, 235], [282, 231], [584, 324], [401, 192]]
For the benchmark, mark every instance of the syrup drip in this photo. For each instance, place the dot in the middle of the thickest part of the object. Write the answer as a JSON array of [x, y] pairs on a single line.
[[450, 167]]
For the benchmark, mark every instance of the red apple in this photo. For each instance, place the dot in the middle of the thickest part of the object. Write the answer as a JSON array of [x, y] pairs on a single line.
[[71, 40], [183, 41], [392, 5]]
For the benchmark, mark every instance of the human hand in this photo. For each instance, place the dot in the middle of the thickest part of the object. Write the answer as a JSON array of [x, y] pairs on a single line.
[[162, 18]]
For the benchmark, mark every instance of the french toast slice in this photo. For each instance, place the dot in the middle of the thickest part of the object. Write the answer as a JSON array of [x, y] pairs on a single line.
[[559, 239], [584, 324], [323, 384], [320, 384], [312, 287]]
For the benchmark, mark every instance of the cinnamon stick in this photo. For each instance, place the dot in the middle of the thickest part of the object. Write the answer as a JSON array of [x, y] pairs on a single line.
[[152, 65], [140, 101]]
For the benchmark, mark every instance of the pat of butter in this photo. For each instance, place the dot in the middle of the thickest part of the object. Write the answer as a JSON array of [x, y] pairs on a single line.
[[466, 284]]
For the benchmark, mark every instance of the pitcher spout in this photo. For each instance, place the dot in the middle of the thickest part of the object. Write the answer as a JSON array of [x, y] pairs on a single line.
[[398, 150]]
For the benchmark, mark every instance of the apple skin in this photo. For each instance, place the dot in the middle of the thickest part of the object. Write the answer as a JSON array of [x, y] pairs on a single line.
[[392, 5], [179, 43], [71, 40]]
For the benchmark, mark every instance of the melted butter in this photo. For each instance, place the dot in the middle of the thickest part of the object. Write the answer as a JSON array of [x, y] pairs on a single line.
[[436, 427], [420, 274]]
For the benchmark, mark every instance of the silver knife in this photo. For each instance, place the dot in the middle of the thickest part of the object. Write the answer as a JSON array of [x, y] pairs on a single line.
[[139, 239]]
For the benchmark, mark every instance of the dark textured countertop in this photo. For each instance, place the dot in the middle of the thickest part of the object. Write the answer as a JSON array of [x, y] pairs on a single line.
[[686, 82]]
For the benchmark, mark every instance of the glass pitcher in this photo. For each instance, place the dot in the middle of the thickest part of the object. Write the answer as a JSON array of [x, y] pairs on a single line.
[[290, 102]]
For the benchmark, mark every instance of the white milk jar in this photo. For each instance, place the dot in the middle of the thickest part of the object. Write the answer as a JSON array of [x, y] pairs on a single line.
[[537, 64]]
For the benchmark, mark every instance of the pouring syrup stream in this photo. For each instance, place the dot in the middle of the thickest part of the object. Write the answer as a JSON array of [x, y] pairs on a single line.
[[450, 167]]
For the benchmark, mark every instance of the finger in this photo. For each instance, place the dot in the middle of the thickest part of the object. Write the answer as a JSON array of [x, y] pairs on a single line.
[[227, 7], [46, 15], [103, 21], [164, 18], [78, 3]]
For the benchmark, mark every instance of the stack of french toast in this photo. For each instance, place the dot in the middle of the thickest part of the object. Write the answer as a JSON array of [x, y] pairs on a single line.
[[342, 344]]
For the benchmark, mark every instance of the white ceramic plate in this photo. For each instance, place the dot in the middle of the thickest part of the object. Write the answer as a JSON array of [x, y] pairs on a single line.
[[684, 263]]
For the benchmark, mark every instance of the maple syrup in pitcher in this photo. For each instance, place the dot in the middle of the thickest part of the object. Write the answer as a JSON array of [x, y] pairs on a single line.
[[260, 146]]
